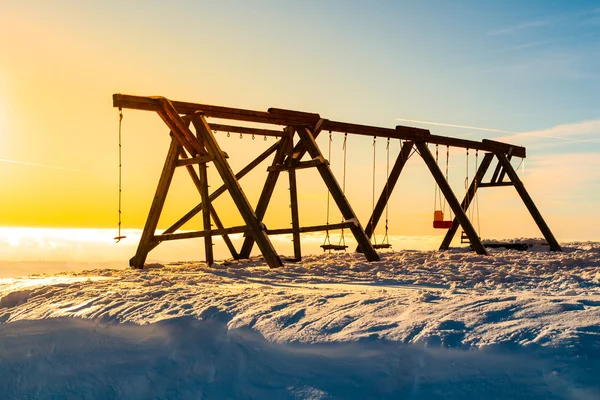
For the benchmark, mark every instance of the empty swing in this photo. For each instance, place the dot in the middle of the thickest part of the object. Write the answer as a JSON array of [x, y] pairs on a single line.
[[438, 213], [472, 212], [385, 244], [327, 245]]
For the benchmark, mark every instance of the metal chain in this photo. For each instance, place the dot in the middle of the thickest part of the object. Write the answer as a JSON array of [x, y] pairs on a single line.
[[119, 236]]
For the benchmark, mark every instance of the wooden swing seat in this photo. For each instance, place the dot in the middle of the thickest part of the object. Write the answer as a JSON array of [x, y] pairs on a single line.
[[336, 247], [382, 246]]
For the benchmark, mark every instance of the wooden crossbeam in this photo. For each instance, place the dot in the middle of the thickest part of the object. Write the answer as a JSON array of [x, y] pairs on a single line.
[[295, 118], [469, 196], [338, 195], [245, 130], [203, 233], [388, 188], [497, 184], [314, 228], [535, 213], [460, 214], [300, 165]]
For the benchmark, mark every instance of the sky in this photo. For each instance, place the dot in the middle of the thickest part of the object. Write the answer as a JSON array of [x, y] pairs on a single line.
[[527, 71]]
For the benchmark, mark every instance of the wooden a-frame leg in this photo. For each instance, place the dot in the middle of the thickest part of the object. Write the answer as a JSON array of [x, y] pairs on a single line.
[[450, 197], [336, 193], [537, 217], [158, 202], [387, 189], [257, 228], [295, 215], [265, 196], [483, 167]]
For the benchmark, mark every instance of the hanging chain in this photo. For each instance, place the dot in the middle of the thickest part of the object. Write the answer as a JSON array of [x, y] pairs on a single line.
[[387, 189], [373, 190], [435, 187], [447, 179], [119, 237], [327, 240], [342, 238], [477, 194]]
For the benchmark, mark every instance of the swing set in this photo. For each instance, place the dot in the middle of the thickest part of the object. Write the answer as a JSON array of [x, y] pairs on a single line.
[[294, 141]]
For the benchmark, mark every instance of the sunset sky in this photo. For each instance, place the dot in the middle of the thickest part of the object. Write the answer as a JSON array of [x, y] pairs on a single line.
[[528, 70]]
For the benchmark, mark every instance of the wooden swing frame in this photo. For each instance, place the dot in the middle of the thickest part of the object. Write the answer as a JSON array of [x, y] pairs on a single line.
[[188, 149]]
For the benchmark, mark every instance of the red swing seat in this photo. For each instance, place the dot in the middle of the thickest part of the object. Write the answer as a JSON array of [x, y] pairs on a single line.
[[438, 220]]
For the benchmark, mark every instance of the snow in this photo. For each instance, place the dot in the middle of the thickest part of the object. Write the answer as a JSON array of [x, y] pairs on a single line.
[[418, 324]]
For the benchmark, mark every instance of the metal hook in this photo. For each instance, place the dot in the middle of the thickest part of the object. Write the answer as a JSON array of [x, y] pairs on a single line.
[[241, 136], [228, 134], [265, 138], [253, 136]]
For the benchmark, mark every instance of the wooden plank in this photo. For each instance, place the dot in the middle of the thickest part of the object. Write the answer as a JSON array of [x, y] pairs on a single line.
[[194, 160], [475, 184], [314, 228], [450, 197], [204, 233], [246, 130], [243, 172], [265, 196], [153, 103], [503, 172], [237, 194], [535, 213], [291, 118], [206, 211], [300, 114], [300, 165], [295, 215], [497, 184], [166, 176], [338, 196], [388, 188]]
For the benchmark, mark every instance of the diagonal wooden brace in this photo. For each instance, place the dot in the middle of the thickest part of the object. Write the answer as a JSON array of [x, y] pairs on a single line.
[[388, 188], [339, 197], [257, 228], [483, 167], [450, 197]]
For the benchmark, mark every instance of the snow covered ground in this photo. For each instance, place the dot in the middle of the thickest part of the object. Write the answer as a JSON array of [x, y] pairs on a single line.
[[418, 324]]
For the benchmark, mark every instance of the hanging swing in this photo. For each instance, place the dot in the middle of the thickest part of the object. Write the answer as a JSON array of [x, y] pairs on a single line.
[[327, 245], [119, 236], [472, 212], [438, 213], [385, 244]]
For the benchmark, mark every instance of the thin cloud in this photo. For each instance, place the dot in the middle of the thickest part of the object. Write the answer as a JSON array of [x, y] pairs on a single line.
[[454, 125], [564, 132], [522, 26], [40, 165]]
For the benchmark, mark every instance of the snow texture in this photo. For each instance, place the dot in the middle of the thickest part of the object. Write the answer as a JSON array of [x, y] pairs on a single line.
[[419, 325]]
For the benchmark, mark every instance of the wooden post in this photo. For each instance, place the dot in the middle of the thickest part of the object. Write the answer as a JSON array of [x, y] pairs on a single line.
[[483, 167], [206, 208], [537, 217], [257, 228], [339, 197], [450, 197], [158, 202], [387, 190], [295, 215], [265, 196]]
